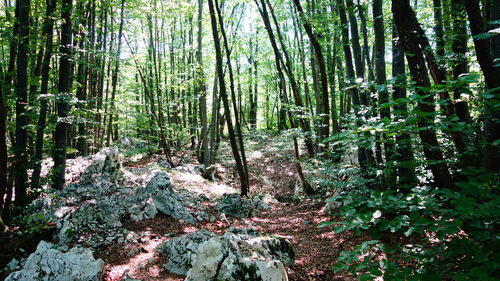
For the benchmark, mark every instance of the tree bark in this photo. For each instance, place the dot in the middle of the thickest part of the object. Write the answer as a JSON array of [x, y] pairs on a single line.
[[42, 116], [21, 161], [491, 71], [232, 136], [408, 34], [404, 152], [62, 104], [325, 110]]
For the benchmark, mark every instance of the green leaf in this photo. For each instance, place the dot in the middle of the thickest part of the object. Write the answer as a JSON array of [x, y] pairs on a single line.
[[339, 229], [325, 224]]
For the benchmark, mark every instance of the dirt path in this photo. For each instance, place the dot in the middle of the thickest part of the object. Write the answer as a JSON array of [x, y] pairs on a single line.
[[271, 170]]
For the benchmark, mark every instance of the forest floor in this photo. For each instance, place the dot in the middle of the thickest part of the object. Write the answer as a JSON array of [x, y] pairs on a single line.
[[271, 169]]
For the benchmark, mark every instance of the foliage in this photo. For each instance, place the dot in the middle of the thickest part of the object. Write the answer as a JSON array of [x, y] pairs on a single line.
[[446, 234]]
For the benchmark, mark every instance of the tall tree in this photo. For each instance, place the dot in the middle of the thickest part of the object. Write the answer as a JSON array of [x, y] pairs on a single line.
[[487, 52], [222, 85], [318, 52], [44, 89], [63, 96], [383, 93], [114, 79], [22, 101], [201, 88], [404, 151], [405, 20]]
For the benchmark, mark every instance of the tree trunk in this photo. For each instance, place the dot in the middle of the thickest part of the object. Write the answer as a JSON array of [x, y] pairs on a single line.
[[114, 79], [42, 117], [459, 62], [304, 124], [404, 152], [232, 136], [62, 104], [324, 114], [21, 161], [408, 33], [383, 93], [486, 52]]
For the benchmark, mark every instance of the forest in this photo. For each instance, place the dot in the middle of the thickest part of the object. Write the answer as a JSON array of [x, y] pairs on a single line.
[[249, 140]]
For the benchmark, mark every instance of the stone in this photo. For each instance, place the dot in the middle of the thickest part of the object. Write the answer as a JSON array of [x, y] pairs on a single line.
[[166, 200], [181, 251], [104, 169], [50, 264], [12, 265], [242, 254], [335, 202], [92, 213], [235, 205]]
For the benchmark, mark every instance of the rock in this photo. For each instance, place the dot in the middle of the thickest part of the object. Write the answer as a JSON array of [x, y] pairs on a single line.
[[266, 245], [335, 202], [104, 169], [235, 205], [181, 251], [47, 263], [92, 214], [13, 265], [166, 200], [242, 255]]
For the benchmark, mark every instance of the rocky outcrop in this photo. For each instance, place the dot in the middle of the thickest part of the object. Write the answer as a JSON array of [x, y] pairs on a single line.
[[181, 251], [242, 255], [235, 205], [166, 200], [91, 211], [239, 254], [50, 264], [104, 169]]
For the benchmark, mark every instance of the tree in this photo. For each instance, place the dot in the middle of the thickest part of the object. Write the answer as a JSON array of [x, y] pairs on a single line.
[[42, 115], [63, 98], [21, 102], [324, 130], [232, 136], [405, 20], [487, 53]]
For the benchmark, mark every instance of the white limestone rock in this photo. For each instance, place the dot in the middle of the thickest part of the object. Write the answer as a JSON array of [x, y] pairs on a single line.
[[181, 251], [50, 264], [242, 254]]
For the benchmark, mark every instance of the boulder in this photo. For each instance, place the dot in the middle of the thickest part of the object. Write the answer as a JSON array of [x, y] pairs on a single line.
[[104, 169], [93, 215], [166, 200], [335, 202], [242, 254], [181, 251], [235, 205], [48, 263]]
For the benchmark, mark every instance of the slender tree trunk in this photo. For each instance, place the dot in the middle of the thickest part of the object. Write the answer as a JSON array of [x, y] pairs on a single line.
[[408, 34], [114, 79], [202, 94], [304, 124], [49, 28], [324, 114], [459, 62], [21, 161], [383, 93], [232, 136], [62, 104], [404, 151], [486, 52]]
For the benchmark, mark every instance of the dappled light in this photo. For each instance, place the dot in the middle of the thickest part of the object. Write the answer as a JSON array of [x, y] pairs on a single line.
[[256, 140]]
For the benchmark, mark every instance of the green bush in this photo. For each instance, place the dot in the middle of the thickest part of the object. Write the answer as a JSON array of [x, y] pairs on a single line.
[[446, 234]]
